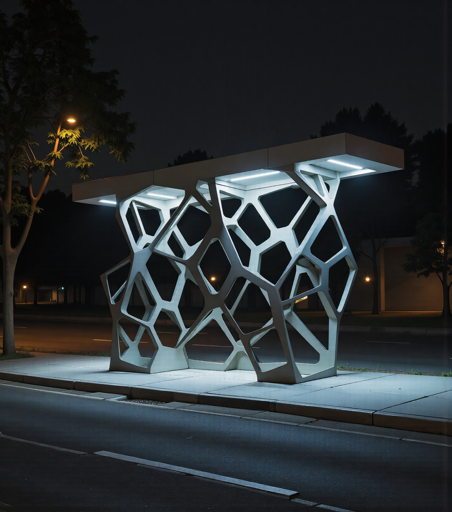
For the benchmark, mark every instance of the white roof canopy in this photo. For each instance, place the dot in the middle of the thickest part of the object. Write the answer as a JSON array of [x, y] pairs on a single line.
[[345, 155]]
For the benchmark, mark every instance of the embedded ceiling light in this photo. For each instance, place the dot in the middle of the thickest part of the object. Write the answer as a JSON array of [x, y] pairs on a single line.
[[160, 195], [255, 176], [364, 171], [344, 164], [107, 201]]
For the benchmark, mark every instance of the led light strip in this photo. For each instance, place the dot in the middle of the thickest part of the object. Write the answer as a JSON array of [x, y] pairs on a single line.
[[345, 165], [107, 201], [255, 176], [364, 171], [160, 195]]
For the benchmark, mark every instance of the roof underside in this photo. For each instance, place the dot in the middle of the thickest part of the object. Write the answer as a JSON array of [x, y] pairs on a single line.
[[352, 157]]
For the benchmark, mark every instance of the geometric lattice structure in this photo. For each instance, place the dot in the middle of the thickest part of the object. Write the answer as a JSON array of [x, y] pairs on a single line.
[[227, 205]]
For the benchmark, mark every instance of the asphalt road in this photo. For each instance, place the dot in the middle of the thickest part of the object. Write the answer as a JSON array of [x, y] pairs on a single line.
[[364, 473], [404, 352]]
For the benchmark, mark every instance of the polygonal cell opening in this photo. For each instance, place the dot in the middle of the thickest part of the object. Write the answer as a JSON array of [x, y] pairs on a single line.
[[234, 292], [175, 246], [141, 302], [304, 284], [327, 243], [136, 334], [169, 332], [117, 282], [164, 275], [191, 302], [268, 349], [290, 288], [129, 328], [283, 205], [126, 331], [304, 224], [242, 249], [303, 352], [215, 265], [146, 347], [194, 224], [285, 291], [133, 224], [211, 344], [317, 311], [253, 225], [253, 300], [122, 347], [203, 189], [274, 262], [339, 274], [150, 218], [230, 206]]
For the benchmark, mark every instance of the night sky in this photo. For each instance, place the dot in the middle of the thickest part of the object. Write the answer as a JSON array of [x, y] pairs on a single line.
[[232, 76]]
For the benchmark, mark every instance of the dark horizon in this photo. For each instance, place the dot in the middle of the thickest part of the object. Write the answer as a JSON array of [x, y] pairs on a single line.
[[241, 76]]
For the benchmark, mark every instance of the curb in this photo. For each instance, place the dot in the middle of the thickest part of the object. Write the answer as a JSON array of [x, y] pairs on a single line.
[[425, 424], [431, 331]]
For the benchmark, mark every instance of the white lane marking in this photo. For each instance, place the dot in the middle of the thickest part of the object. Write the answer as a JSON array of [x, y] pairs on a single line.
[[334, 509], [392, 342], [215, 346], [203, 474], [76, 452], [172, 332]]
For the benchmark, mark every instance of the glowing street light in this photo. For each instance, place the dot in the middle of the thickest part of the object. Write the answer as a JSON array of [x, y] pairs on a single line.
[[71, 120], [213, 278], [367, 279]]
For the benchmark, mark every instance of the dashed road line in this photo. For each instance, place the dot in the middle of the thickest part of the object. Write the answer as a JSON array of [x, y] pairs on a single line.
[[201, 474], [391, 342], [146, 463], [43, 445]]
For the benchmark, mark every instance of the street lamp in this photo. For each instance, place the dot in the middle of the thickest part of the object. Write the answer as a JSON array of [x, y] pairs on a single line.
[[71, 120], [25, 292]]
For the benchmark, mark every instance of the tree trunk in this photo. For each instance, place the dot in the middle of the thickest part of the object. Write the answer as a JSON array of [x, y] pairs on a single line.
[[446, 288], [9, 268], [446, 301], [375, 279]]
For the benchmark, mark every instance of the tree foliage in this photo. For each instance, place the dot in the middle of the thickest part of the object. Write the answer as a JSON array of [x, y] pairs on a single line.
[[47, 75], [431, 199], [190, 157]]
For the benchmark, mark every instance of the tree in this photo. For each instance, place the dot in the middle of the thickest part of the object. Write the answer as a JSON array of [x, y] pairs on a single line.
[[431, 196], [375, 207], [46, 76], [190, 157]]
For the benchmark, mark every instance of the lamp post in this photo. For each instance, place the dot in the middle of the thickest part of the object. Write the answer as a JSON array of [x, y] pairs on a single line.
[[25, 292]]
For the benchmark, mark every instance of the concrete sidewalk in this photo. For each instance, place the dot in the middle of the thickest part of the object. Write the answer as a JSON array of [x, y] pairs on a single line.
[[408, 402]]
